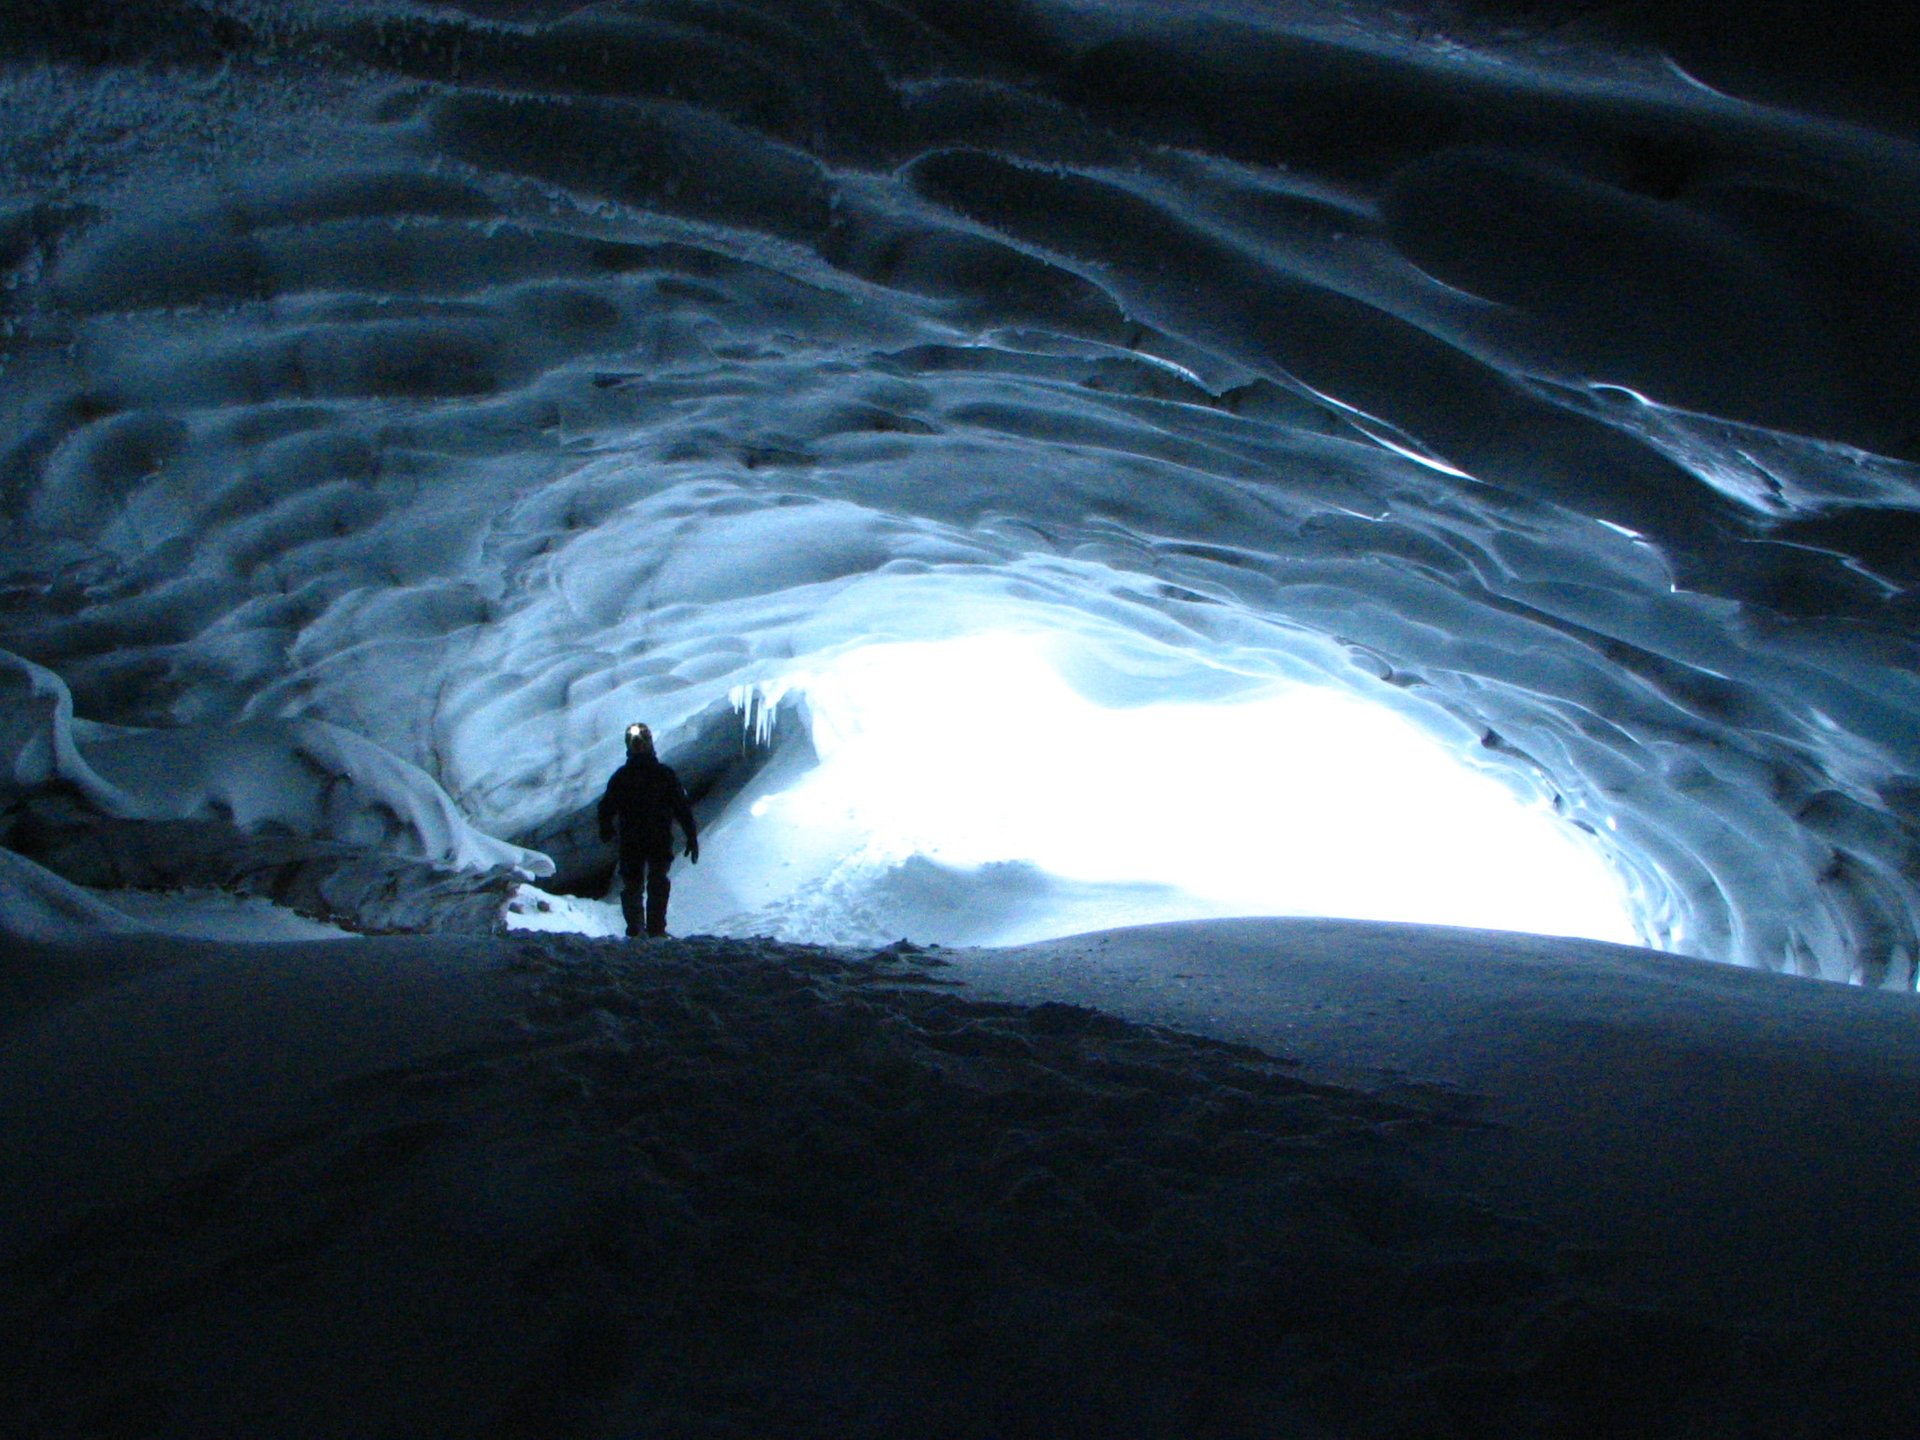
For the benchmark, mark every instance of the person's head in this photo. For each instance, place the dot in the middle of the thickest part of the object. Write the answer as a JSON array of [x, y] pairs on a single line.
[[639, 741]]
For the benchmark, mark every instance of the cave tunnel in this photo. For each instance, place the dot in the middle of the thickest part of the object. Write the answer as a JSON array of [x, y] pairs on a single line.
[[1039, 467], [477, 379]]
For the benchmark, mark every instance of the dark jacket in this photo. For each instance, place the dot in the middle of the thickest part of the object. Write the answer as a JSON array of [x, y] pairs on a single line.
[[645, 797]]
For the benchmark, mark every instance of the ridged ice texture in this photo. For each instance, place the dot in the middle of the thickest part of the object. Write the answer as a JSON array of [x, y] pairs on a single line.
[[478, 378]]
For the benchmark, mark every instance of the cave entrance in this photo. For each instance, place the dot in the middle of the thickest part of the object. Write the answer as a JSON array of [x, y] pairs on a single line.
[[967, 793]]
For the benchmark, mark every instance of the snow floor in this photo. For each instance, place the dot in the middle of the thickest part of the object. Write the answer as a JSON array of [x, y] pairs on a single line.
[[1255, 1178], [531, 908], [219, 915]]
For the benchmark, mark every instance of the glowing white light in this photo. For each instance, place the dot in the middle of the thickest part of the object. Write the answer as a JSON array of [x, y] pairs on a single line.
[[1300, 801]]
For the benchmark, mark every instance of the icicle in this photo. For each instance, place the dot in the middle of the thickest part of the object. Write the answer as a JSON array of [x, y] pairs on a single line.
[[758, 706]]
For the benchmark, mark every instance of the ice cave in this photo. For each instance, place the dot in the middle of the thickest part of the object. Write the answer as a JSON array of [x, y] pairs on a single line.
[[1291, 624]]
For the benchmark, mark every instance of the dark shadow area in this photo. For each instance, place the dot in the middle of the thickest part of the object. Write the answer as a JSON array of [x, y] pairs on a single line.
[[716, 1189]]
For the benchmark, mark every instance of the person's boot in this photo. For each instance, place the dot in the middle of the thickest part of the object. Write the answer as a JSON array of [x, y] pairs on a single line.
[[657, 894]]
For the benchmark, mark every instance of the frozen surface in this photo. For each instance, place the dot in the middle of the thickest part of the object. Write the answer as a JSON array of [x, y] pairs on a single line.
[[219, 915], [36, 904], [569, 1187], [428, 391], [304, 778], [396, 400]]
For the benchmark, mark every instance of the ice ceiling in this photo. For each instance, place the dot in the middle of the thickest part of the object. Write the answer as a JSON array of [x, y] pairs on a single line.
[[470, 380]]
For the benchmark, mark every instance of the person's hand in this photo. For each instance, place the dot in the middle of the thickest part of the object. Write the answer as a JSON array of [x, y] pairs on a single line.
[[693, 852]]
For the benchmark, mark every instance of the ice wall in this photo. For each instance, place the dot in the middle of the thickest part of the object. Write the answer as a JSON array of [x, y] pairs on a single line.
[[476, 378]]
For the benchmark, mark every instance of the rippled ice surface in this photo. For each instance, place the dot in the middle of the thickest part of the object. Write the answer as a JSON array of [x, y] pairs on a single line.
[[475, 379]]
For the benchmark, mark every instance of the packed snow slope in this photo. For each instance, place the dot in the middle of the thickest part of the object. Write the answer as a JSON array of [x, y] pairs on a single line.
[[467, 380], [1461, 1185]]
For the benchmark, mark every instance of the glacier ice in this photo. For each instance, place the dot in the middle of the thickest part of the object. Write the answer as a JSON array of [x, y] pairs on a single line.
[[427, 391], [302, 777]]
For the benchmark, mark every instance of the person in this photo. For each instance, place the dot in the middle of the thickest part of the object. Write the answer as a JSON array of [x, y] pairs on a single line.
[[643, 799]]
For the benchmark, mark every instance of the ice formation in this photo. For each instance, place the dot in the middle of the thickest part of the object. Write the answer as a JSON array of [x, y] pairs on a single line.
[[433, 389], [966, 792]]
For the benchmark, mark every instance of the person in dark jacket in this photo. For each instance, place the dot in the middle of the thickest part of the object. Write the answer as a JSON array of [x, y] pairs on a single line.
[[643, 799]]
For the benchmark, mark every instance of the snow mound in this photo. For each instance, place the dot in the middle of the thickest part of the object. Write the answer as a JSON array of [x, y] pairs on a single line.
[[36, 904], [220, 915], [553, 1186]]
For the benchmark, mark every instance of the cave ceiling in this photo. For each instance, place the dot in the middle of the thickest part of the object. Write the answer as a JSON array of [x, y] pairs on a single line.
[[478, 377]]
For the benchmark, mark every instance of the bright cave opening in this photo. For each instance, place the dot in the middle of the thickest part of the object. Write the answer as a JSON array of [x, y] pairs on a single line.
[[967, 792]]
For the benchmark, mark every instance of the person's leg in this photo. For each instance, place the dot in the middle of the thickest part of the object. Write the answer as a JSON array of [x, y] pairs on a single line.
[[658, 889], [633, 880]]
